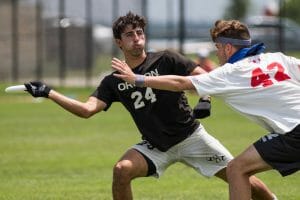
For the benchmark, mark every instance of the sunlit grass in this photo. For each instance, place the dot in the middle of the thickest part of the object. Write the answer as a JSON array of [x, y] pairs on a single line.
[[48, 154]]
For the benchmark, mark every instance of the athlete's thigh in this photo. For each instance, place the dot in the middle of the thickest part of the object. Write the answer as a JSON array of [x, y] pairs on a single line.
[[160, 160], [251, 162], [282, 152], [204, 153], [134, 162]]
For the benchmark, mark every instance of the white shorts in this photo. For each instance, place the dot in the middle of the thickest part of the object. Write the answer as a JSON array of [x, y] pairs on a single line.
[[200, 151]]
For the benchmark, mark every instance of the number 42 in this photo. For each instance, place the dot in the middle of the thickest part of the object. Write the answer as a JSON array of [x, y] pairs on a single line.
[[261, 78]]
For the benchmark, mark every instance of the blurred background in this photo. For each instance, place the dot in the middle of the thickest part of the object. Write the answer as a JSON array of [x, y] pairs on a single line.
[[69, 42]]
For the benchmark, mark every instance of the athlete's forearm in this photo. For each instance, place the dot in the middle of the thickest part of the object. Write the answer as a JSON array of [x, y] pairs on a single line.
[[168, 82], [78, 108]]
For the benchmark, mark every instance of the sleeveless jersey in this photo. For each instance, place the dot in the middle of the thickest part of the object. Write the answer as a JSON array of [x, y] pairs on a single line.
[[163, 118]]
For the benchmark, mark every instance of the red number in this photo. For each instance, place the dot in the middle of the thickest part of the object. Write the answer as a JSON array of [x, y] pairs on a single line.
[[260, 78], [280, 75]]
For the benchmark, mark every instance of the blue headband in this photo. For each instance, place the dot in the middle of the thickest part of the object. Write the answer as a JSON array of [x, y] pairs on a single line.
[[239, 42]]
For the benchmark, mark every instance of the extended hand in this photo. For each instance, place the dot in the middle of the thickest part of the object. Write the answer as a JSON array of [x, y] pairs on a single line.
[[37, 89], [124, 70], [202, 109]]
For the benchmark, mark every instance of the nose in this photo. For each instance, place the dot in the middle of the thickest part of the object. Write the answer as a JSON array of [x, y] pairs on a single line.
[[136, 36]]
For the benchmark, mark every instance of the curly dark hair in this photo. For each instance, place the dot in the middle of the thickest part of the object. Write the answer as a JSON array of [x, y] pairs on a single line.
[[129, 19]]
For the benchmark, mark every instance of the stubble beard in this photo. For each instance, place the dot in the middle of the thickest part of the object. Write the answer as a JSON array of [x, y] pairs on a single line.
[[137, 51]]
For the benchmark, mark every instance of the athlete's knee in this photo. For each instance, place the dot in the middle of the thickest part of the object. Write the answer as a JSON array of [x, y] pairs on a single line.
[[234, 167], [122, 171]]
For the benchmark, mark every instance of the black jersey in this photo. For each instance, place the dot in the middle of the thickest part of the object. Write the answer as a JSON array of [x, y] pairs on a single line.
[[164, 118]]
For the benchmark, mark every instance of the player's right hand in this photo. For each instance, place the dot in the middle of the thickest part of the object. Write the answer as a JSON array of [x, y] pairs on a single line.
[[37, 89]]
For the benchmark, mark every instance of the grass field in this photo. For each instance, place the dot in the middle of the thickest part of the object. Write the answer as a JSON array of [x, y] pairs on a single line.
[[49, 154]]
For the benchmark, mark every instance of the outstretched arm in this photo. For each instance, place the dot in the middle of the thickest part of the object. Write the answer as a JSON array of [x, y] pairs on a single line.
[[166, 82], [81, 109]]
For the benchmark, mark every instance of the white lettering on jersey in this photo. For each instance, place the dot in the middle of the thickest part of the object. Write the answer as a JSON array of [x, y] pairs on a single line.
[[139, 99], [152, 73], [125, 86]]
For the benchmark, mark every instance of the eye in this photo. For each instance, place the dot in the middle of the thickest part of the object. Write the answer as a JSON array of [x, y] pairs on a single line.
[[129, 34], [140, 32]]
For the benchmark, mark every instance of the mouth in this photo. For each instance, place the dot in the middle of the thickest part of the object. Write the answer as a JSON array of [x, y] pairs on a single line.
[[138, 46]]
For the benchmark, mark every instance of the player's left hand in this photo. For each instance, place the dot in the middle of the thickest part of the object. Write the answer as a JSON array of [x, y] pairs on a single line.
[[203, 108]]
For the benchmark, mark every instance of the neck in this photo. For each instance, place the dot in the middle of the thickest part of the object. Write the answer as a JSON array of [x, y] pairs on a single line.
[[245, 52], [134, 61]]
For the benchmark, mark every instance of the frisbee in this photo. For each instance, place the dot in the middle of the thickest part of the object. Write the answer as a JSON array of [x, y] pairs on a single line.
[[15, 88]]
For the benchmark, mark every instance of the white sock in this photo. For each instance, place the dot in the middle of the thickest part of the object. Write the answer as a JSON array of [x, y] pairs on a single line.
[[274, 197]]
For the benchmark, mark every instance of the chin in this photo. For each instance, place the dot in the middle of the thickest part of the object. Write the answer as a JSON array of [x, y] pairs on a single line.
[[137, 53]]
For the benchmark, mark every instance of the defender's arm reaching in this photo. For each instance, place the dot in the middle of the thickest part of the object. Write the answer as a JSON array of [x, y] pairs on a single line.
[[166, 82]]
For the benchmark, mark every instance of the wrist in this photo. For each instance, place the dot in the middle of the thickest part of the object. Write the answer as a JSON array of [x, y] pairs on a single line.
[[205, 98], [139, 80], [47, 91]]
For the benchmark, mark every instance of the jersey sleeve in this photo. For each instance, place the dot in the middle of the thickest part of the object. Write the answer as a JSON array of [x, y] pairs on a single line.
[[179, 64], [105, 92], [217, 78]]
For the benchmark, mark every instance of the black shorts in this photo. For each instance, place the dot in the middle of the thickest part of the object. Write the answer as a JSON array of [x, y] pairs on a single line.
[[282, 152]]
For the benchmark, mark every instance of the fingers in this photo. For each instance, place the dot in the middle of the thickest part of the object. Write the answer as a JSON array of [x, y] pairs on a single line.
[[117, 60], [121, 67], [118, 65], [119, 76], [28, 86], [124, 70]]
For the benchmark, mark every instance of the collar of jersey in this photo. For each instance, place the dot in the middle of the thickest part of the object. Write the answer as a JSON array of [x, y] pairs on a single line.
[[245, 52]]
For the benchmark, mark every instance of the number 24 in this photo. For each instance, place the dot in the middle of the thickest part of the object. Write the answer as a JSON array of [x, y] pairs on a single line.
[[138, 96], [261, 78]]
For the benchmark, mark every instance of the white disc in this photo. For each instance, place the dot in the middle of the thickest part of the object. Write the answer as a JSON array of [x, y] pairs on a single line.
[[15, 88]]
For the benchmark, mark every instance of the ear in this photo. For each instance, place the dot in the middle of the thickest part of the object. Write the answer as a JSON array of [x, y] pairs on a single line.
[[118, 42], [229, 49]]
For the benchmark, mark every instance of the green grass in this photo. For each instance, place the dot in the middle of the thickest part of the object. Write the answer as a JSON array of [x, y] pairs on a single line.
[[49, 154]]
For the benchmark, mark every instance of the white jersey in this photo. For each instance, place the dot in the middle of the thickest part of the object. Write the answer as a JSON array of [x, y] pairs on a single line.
[[265, 88]]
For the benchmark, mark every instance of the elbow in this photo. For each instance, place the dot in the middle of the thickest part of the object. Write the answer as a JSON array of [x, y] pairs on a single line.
[[88, 109], [85, 113], [181, 85]]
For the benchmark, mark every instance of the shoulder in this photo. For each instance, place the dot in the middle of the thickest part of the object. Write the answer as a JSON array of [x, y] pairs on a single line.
[[175, 57], [265, 59], [109, 76], [273, 56], [109, 79], [172, 54], [164, 53], [166, 56]]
